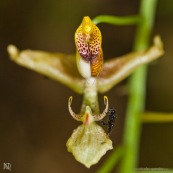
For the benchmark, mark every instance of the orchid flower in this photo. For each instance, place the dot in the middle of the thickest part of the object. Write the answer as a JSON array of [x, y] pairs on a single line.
[[85, 73]]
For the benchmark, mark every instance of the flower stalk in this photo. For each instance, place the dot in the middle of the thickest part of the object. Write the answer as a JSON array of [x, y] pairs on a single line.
[[137, 88]]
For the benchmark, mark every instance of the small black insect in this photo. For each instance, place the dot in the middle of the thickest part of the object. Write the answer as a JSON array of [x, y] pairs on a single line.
[[111, 120]]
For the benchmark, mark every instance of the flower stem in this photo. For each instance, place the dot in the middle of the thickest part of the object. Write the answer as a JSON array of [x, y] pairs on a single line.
[[117, 20], [137, 87]]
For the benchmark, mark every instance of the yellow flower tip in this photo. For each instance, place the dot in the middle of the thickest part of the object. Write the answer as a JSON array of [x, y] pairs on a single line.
[[103, 114], [70, 99], [13, 51], [87, 25], [158, 42], [74, 115], [86, 19], [105, 100]]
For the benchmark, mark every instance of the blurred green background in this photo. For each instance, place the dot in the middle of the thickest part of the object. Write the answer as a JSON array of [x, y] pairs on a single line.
[[34, 120]]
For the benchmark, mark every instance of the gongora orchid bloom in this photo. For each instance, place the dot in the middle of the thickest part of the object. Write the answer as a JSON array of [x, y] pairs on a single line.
[[86, 74]]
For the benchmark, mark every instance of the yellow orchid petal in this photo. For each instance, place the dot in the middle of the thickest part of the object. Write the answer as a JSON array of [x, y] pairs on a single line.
[[88, 42]]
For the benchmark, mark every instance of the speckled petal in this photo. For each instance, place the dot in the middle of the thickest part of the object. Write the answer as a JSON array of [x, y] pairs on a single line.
[[88, 40]]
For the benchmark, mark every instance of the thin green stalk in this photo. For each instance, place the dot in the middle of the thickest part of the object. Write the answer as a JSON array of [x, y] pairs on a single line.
[[137, 85], [156, 117], [117, 20]]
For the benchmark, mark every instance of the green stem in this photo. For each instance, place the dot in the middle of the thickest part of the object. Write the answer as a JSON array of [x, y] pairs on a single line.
[[137, 87], [156, 117], [117, 20]]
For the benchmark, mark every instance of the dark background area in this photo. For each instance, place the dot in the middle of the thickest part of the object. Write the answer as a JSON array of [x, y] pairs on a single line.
[[34, 120]]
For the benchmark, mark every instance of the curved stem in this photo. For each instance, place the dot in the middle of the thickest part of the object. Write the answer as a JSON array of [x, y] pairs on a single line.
[[117, 20]]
